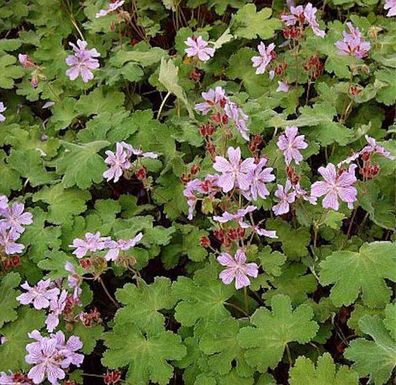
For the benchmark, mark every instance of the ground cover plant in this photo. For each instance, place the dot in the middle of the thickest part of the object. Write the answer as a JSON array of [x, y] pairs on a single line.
[[197, 192]]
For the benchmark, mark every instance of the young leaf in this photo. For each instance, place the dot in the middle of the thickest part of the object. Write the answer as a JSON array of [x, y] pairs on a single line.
[[168, 76]]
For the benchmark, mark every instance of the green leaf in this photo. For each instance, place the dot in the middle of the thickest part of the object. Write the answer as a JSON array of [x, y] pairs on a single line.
[[377, 357], [266, 340], [364, 271], [9, 71], [63, 203], [144, 58], [168, 76], [219, 343], [13, 351], [81, 165], [8, 294], [304, 372], [98, 101], [249, 24], [145, 356], [142, 304], [294, 241], [30, 165], [293, 282], [40, 236], [89, 336], [201, 298], [9, 178]]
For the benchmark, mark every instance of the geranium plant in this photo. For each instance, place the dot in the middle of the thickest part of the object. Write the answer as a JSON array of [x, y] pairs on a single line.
[[197, 192]]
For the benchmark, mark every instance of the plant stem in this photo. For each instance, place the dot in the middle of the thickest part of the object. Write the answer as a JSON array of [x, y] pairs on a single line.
[[163, 104], [245, 297], [116, 304], [237, 308]]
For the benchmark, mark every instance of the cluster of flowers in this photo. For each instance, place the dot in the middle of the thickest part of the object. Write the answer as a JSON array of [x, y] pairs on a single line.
[[121, 162], [368, 170], [51, 356], [298, 17], [93, 243], [353, 43], [14, 218], [223, 110], [47, 295]]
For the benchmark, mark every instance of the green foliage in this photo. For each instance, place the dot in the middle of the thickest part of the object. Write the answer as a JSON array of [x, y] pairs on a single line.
[[325, 372], [8, 294], [362, 272], [147, 357], [161, 307], [12, 353], [375, 358], [273, 330]]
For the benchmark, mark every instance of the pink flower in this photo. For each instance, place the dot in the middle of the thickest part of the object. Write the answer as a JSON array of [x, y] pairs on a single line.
[[239, 117], [92, 243], [57, 305], [67, 349], [2, 109], [303, 15], [353, 43], [3, 203], [285, 198], [111, 8], [233, 171], [39, 295], [391, 5], [51, 355], [137, 152], [258, 179], [237, 217], [74, 280], [336, 185], [7, 240], [118, 162], [373, 146], [237, 269], [115, 247], [290, 143], [209, 186], [310, 18], [266, 56], [213, 97], [296, 14], [15, 217], [301, 193], [82, 61], [258, 230], [198, 47], [14, 379], [282, 87]]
